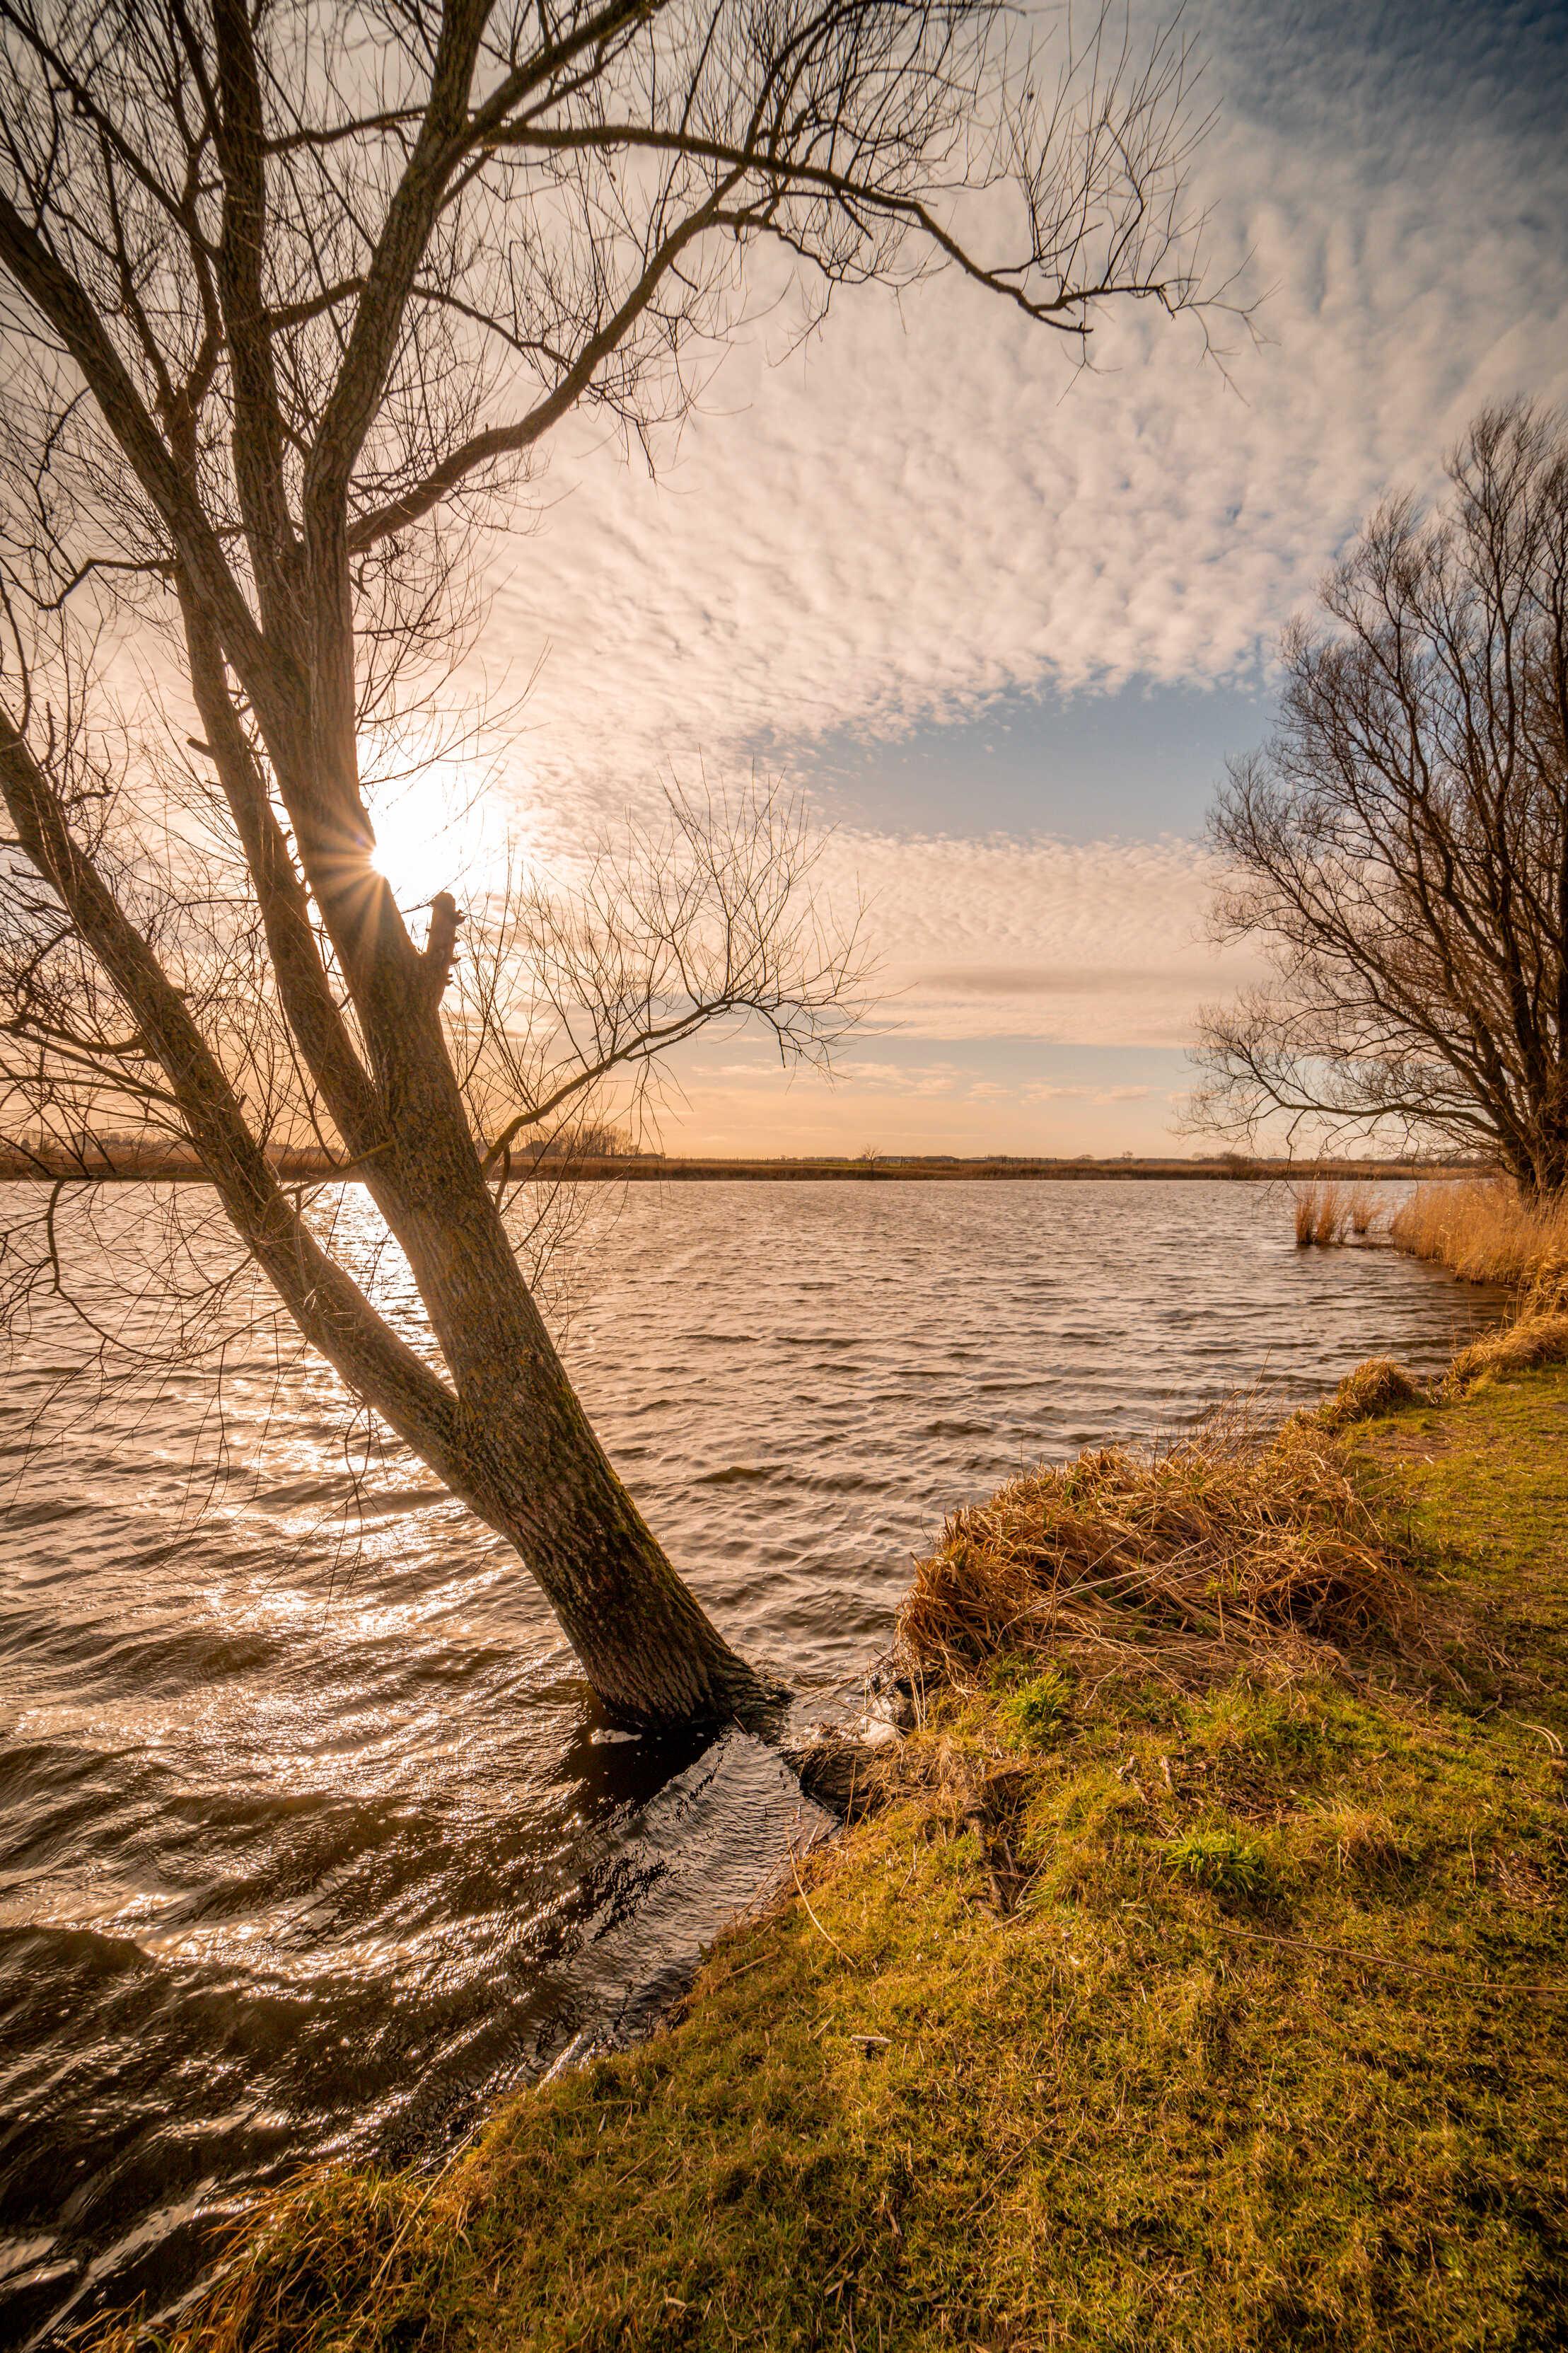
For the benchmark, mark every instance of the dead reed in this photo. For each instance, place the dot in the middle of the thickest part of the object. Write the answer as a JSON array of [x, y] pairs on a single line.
[[1315, 1207], [1217, 1552], [1321, 1214], [1483, 1230], [1326, 1211], [1538, 1338], [1377, 1386], [1537, 1335], [314, 2265]]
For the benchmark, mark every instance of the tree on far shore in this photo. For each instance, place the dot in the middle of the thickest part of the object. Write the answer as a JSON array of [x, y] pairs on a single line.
[[1399, 850], [295, 294]]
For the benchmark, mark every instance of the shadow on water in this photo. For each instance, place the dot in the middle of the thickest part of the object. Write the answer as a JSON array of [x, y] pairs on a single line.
[[420, 1957], [298, 1863]]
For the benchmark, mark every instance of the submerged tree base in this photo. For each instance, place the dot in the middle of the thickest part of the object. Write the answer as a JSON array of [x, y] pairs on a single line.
[[1180, 2001]]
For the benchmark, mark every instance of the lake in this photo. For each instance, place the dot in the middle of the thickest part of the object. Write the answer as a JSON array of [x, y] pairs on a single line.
[[313, 1841]]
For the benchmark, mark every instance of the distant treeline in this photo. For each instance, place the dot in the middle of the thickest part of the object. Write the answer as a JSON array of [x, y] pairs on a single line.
[[114, 1159]]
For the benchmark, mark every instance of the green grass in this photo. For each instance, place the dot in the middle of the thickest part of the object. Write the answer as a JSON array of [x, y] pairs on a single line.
[[1147, 2017], [1030, 1709], [1485, 1483]]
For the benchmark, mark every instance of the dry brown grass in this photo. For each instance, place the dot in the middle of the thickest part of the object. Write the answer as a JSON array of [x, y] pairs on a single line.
[[1537, 1336], [1364, 1207], [1323, 1213], [1378, 1385], [1480, 1229], [1212, 1553], [1326, 1211], [326, 2263], [1540, 1338], [1483, 1230]]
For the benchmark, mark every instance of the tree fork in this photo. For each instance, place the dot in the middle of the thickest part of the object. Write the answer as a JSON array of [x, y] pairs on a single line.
[[241, 320], [514, 1444]]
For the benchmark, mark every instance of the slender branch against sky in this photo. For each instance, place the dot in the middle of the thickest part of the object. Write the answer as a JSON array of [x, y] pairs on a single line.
[[294, 298]]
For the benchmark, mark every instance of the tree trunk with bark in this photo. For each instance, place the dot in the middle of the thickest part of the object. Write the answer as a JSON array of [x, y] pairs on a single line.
[[524, 1452], [305, 315]]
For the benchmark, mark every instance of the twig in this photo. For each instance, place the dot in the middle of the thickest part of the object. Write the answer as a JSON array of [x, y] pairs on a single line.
[[719, 1984], [1007, 2166], [813, 1919], [449, 2164]]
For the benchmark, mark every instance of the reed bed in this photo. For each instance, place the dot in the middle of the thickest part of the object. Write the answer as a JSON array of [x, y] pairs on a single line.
[[1483, 1230], [1364, 1209], [1323, 1215], [1536, 1339], [1221, 1551], [1327, 1211]]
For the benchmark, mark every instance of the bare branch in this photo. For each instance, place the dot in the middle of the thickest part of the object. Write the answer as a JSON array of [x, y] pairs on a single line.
[[1401, 847]]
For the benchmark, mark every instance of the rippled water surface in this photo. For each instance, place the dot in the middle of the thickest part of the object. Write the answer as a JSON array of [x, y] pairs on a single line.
[[312, 1840]]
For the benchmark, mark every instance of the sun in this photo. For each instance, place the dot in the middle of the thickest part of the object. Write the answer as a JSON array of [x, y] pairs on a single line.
[[431, 834]]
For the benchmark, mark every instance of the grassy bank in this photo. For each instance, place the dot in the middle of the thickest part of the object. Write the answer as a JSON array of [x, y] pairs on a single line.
[[1200, 1984]]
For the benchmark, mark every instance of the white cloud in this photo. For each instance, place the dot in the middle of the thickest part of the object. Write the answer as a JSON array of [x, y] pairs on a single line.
[[923, 508], [1088, 1094], [891, 1078], [1093, 942], [863, 1077]]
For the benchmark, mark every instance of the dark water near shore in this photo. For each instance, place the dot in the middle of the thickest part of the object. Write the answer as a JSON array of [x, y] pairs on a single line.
[[310, 1846]]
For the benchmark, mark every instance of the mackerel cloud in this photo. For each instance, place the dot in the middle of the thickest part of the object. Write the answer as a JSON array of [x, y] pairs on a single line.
[[1099, 943], [926, 507]]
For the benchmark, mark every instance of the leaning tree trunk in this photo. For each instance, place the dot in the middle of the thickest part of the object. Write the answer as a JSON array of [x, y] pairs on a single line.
[[522, 1451], [518, 1447], [651, 1654], [506, 1432], [525, 1452]]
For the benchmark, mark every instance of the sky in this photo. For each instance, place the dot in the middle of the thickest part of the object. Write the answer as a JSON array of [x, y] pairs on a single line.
[[1003, 621]]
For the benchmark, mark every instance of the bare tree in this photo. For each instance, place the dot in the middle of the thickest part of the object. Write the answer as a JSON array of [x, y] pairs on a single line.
[[1400, 848], [294, 296], [706, 912]]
